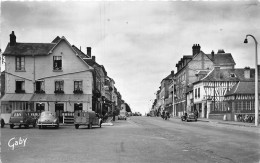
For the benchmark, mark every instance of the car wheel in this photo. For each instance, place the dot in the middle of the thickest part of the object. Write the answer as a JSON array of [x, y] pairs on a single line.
[[20, 126], [11, 126], [76, 126], [57, 126]]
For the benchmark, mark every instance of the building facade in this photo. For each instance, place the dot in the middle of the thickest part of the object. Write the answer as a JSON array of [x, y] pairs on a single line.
[[40, 76]]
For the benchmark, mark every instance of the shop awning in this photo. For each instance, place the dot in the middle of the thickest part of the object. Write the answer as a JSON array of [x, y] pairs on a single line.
[[61, 98], [17, 97]]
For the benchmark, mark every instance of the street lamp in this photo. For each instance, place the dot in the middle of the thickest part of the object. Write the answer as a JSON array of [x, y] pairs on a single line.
[[256, 80]]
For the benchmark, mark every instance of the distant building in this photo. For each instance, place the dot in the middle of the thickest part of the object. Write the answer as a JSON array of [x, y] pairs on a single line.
[[188, 69]]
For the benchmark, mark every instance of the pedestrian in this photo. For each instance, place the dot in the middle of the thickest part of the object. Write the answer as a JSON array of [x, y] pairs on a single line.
[[196, 113]]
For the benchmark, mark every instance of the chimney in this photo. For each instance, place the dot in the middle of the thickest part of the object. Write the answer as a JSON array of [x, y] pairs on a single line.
[[212, 54], [12, 39], [247, 72], [217, 72], [94, 58], [89, 51], [172, 73], [195, 49], [221, 51]]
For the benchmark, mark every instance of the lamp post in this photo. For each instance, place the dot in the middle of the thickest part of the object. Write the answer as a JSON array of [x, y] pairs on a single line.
[[256, 80]]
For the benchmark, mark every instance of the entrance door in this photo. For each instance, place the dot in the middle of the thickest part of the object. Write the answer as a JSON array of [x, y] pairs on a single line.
[[77, 106], [59, 109], [40, 107]]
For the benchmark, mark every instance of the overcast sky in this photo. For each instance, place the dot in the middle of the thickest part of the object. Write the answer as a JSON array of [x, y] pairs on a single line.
[[139, 43]]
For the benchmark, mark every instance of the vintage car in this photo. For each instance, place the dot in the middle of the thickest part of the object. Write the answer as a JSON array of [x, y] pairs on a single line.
[[189, 117], [48, 118], [121, 117], [21, 117], [2, 123], [88, 118]]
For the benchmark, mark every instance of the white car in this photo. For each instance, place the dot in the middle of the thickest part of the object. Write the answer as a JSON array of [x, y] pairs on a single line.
[[121, 117]]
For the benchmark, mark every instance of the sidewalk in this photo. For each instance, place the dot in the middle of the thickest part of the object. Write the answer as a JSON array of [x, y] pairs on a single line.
[[220, 122], [227, 122]]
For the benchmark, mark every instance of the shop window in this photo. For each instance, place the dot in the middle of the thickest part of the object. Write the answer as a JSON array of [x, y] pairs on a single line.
[[40, 107]]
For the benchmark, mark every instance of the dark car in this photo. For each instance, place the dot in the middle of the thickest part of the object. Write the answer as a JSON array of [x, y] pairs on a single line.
[[2, 123], [189, 117], [21, 118]]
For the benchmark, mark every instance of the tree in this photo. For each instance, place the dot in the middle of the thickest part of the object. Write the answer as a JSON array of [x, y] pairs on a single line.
[[128, 109]]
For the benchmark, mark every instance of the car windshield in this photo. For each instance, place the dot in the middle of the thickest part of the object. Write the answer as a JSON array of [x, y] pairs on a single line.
[[17, 114], [46, 114]]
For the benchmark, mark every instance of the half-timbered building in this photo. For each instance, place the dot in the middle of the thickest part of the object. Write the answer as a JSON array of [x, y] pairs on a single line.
[[241, 98], [190, 67], [210, 92]]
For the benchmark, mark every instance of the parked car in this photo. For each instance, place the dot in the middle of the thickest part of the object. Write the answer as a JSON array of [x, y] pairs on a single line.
[[189, 117], [121, 117], [88, 118], [21, 117], [48, 118], [2, 123]]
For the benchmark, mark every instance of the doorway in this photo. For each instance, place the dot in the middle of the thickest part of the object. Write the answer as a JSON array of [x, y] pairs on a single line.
[[59, 109], [77, 106], [40, 107]]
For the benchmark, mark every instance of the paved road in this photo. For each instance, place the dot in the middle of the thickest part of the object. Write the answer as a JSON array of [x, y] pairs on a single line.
[[137, 140]]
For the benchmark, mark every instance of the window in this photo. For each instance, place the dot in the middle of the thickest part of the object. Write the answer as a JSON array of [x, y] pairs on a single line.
[[39, 87], [195, 93], [59, 87], [198, 92], [19, 63], [19, 86], [57, 63], [78, 87]]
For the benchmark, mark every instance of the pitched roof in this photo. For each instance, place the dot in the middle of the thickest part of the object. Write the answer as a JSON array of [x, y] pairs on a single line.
[[56, 40], [28, 49], [222, 59], [80, 53], [244, 87], [226, 75]]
